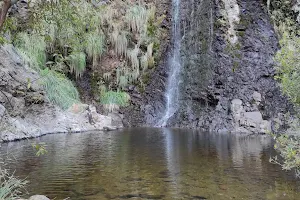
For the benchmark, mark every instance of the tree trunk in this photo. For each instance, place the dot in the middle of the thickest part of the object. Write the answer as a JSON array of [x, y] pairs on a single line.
[[3, 11]]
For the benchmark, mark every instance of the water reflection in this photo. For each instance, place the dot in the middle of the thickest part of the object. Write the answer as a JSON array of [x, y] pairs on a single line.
[[151, 163]]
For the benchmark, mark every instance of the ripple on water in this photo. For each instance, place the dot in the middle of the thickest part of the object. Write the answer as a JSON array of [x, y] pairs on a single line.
[[146, 163]]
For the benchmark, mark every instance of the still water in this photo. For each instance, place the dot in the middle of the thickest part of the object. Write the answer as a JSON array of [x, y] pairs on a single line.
[[149, 163]]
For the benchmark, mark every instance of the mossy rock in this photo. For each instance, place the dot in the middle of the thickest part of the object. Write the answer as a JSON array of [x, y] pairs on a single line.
[[235, 66], [35, 98], [241, 33]]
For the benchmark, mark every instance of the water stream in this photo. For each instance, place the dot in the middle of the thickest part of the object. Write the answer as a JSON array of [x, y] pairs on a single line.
[[172, 90]]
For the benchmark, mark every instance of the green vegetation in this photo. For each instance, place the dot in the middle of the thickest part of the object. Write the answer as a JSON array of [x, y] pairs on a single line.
[[289, 149], [69, 36], [10, 186], [288, 70], [285, 15], [60, 90], [112, 100]]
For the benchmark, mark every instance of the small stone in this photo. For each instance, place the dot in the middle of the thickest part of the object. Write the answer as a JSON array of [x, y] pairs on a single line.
[[38, 197]]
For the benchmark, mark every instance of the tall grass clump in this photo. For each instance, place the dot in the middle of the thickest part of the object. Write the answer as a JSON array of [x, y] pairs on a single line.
[[112, 100], [10, 186], [59, 89]]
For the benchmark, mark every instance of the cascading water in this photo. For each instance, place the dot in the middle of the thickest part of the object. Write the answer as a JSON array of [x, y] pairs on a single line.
[[172, 90]]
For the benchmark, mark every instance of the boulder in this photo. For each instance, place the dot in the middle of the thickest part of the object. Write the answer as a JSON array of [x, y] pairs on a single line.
[[237, 109], [255, 117], [248, 122]]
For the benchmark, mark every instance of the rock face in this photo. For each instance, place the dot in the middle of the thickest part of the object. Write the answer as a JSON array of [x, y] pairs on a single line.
[[248, 122], [227, 85], [25, 111]]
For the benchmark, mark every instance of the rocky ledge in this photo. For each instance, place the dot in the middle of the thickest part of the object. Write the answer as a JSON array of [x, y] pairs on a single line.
[[25, 111]]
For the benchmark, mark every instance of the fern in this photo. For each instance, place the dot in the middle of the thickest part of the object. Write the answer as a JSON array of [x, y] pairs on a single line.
[[77, 63]]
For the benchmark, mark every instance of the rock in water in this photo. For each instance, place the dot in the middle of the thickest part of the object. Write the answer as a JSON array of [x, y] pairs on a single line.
[[38, 197]]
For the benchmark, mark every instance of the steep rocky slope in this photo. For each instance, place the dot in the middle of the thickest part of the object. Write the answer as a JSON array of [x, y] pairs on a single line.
[[228, 78], [25, 111]]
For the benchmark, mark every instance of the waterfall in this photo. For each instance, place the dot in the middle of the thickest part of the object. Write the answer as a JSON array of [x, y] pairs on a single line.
[[172, 90]]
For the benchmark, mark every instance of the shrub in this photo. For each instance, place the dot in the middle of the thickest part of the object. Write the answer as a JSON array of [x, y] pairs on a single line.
[[288, 146], [288, 67]]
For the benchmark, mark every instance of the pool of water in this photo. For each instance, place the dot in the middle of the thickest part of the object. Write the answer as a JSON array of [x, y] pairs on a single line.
[[152, 163]]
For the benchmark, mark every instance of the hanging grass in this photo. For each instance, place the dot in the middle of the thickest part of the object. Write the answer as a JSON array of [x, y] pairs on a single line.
[[94, 46], [133, 57], [136, 18], [144, 62], [60, 90], [119, 41], [77, 63], [123, 82], [107, 76], [32, 48]]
